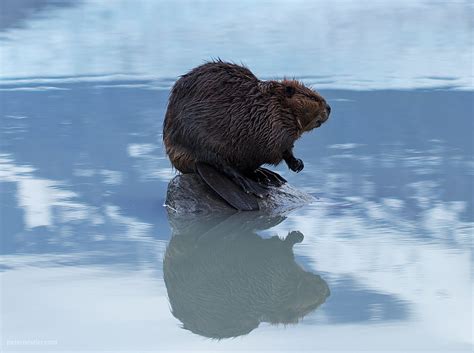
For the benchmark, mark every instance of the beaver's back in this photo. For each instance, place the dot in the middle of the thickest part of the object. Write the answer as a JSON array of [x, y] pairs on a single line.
[[217, 113]]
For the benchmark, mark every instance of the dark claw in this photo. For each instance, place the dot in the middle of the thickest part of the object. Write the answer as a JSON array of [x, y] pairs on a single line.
[[275, 178], [251, 187], [261, 177], [300, 165], [297, 165], [266, 177]]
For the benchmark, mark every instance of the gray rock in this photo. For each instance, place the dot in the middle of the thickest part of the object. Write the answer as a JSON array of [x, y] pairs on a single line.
[[188, 194]]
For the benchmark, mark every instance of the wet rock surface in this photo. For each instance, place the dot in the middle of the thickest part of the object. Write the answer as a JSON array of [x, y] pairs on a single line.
[[188, 194]]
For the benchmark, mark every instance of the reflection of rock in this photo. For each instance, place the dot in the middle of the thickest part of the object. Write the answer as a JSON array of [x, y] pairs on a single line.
[[223, 279], [188, 194]]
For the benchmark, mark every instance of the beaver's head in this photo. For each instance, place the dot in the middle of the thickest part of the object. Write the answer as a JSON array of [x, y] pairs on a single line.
[[307, 106]]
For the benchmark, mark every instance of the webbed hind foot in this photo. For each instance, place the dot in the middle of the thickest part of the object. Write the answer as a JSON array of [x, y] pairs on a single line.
[[267, 177], [247, 184]]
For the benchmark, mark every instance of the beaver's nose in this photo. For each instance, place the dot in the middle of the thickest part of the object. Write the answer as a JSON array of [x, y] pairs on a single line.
[[328, 109]]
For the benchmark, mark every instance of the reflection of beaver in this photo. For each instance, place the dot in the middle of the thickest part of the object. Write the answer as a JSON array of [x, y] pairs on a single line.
[[222, 115], [223, 279]]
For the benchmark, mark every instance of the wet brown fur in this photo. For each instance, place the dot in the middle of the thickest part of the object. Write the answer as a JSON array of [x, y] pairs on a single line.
[[221, 114]]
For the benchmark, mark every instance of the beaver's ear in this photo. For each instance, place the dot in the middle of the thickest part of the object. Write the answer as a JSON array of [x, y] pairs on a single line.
[[289, 91]]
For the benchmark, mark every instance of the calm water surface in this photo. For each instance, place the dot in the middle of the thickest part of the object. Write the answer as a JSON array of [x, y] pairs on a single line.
[[90, 260]]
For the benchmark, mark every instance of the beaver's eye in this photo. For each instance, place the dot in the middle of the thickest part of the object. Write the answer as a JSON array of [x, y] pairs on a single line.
[[289, 91]]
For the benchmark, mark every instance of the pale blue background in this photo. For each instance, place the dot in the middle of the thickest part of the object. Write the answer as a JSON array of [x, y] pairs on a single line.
[[83, 175]]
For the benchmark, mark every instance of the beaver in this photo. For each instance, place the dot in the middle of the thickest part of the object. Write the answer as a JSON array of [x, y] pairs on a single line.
[[222, 115]]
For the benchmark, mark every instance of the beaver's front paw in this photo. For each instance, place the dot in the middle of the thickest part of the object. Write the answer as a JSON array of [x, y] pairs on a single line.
[[296, 165]]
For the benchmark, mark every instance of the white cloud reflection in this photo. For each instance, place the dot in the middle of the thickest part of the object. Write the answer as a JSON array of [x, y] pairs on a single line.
[[40, 198], [52, 204], [374, 245]]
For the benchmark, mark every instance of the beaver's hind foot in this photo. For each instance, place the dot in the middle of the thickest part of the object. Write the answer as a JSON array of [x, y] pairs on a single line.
[[248, 185], [266, 177]]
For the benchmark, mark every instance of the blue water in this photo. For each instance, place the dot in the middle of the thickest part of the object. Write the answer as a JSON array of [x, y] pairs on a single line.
[[90, 260]]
